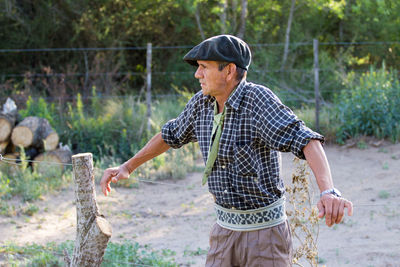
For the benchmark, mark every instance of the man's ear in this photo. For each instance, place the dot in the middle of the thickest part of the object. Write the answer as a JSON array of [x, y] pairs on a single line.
[[231, 75]]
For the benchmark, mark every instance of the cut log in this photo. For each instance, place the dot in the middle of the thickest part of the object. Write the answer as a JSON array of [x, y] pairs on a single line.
[[12, 164], [49, 136], [7, 122], [27, 132], [93, 230], [3, 147], [58, 157], [36, 132], [8, 116], [7, 147]]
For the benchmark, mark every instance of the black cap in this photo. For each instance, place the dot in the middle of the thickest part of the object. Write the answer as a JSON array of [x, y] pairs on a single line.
[[226, 48]]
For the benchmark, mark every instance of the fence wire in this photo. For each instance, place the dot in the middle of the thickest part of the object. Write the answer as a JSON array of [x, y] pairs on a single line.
[[19, 162]]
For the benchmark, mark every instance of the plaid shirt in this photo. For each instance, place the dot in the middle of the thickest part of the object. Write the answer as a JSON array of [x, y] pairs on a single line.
[[246, 173]]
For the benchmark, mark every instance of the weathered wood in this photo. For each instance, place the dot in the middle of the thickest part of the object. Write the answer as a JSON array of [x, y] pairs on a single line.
[[27, 132], [8, 117], [7, 122], [49, 137], [61, 156], [35, 131], [243, 18], [148, 85], [316, 83], [14, 163], [3, 147], [93, 230], [287, 36]]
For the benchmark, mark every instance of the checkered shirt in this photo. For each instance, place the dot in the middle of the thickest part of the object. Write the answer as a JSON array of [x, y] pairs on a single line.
[[246, 173]]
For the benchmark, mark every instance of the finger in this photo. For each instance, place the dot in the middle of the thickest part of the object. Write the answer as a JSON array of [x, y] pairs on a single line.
[[349, 206], [341, 211], [335, 210], [321, 209], [328, 212], [106, 179]]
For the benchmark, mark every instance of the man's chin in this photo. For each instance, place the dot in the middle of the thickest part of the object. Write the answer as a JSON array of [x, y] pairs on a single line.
[[204, 92]]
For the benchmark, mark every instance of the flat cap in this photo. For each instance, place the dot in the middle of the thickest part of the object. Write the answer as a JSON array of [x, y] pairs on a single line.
[[226, 48]]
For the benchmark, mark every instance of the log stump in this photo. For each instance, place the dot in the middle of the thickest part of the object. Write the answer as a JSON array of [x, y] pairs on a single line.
[[93, 230]]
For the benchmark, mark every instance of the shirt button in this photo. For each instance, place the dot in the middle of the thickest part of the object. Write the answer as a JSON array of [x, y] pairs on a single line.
[[225, 191], [223, 166]]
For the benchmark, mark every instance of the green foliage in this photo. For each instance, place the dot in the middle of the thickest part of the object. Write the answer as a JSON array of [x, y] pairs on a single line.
[[327, 124], [30, 209], [370, 106], [5, 189], [133, 23], [28, 184], [38, 108], [113, 130], [116, 254]]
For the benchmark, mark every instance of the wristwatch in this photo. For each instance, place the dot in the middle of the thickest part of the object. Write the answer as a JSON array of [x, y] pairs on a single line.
[[332, 191]]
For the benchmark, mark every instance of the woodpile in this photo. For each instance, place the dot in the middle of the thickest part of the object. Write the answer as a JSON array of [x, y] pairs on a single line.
[[34, 135]]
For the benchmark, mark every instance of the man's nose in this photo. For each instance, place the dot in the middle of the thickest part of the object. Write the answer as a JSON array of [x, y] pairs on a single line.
[[198, 74]]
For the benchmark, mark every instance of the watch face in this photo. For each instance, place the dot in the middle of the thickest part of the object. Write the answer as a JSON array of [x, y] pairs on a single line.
[[336, 192]]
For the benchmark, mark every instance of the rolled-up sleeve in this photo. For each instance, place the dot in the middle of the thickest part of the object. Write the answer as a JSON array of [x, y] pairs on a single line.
[[180, 131], [280, 128]]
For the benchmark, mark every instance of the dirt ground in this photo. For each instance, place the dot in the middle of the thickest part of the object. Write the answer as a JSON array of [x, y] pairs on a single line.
[[178, 215]]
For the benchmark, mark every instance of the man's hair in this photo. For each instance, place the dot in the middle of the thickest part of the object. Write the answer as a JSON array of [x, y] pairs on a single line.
[[240, 73]]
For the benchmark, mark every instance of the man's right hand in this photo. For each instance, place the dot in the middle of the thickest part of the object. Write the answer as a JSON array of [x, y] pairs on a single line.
[[113, 175]]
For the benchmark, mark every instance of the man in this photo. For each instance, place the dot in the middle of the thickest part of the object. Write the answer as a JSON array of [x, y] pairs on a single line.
[[241, 127]]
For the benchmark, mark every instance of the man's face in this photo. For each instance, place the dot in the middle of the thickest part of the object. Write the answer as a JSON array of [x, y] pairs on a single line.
[[212, 80]]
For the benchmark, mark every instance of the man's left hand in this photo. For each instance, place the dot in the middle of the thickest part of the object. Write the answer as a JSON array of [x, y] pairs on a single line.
[[332, 207]]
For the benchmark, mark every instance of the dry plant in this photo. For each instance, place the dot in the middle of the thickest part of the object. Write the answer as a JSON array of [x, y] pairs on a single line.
[[303, 217]]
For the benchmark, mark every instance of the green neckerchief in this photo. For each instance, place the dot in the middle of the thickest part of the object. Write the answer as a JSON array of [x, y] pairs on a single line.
[[213, 151], [218, 124]]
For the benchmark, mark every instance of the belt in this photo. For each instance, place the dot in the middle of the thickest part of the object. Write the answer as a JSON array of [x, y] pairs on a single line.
[[250, 220]]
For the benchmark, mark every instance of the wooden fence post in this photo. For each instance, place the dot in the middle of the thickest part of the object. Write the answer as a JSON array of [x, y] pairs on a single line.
[[148, 85], [316, 83], [93, 230]]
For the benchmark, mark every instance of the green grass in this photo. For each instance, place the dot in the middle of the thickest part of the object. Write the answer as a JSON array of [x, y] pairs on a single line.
[[117, 254]]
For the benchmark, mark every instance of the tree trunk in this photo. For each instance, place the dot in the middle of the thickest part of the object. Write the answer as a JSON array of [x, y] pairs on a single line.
[[234, 19], [34, 131], [197, 15], [58, 156], [224, 6], [287, 36], [243, 16], [93, 231]]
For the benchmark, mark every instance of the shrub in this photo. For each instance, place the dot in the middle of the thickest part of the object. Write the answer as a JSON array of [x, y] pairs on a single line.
[[369, 106], [113, 130]]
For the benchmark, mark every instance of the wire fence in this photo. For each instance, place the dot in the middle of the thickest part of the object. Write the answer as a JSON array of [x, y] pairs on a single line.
[[311, 76], [19, 163]]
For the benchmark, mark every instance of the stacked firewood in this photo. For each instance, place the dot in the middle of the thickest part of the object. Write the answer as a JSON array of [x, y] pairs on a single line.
[[34, 135]]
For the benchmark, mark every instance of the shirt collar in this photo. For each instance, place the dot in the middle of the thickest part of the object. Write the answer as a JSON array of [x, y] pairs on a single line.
[[234, 100]]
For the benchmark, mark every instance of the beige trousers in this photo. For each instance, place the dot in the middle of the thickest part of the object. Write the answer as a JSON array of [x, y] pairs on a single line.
[[262, 248]]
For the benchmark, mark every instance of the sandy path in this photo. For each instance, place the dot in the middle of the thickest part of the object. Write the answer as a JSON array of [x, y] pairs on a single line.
[[178, 216]]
